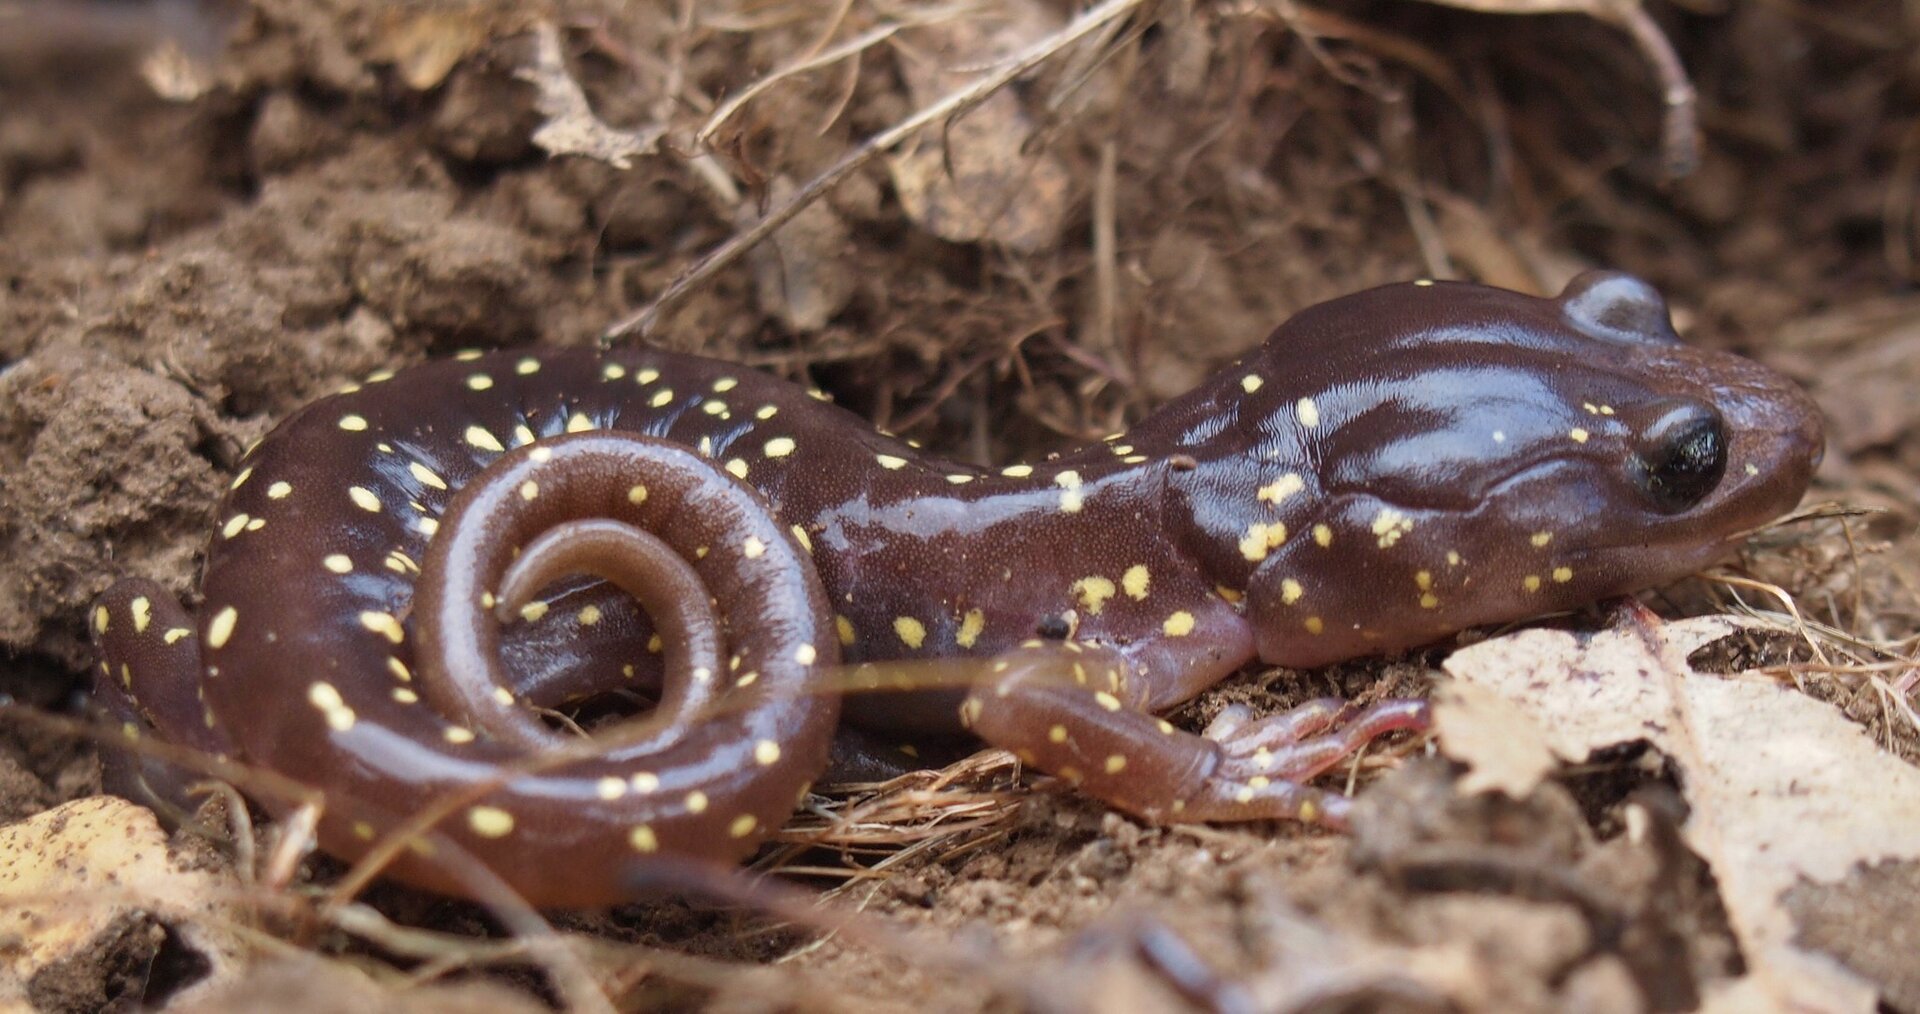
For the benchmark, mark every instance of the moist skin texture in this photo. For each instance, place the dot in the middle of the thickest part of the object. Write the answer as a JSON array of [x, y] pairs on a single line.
[[406, 568]]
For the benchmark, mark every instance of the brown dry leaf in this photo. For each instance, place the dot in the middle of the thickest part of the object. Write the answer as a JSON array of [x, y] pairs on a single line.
[[1783, 788], [1495, 738], [994, 191], [79, 876], [425, 46], [1862, 361], [571, 128], [802, 273]]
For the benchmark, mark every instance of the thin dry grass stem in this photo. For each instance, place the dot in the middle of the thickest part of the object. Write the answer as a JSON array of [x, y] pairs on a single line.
[[1785, 598], [953, 104]]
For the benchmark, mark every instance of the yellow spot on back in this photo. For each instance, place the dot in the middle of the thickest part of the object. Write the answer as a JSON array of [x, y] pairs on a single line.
[[637, 495], [142, 614], [458, 734], [696, 802], [742, 825], [1281, 488], [1136, 581], [479, 381], [610, 787], [1308, 411], [279, 490], [1017, 471], [426, 475], [234, 526], [645, 781], [339, 563], [527, 366], [241, 479], [1106, 700], [765, 412], [843, 627], [589, 615], [737, 468], [1093, 592], [326, 697], [1579, 435], [766, 753], [970, 627], [643, 839], [754, 548], [779, 447], [383, 624], [174, 634], [1250, 383], [613, 371], [490, 821], [806, 654], [353, 423], [220, 628], [661, 397], [1180, 624], [1429, 600], [363, 498], [1315, 625], [1290, 591], [533, 611], [529, 490], [578, 423], [890, 462], [1323, 535], [1561, 575], [481, 437], [1531, 582], [1540, 539], [912, 632]]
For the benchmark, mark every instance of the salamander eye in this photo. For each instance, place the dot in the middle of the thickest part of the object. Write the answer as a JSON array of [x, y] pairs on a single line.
[[1682, 456]]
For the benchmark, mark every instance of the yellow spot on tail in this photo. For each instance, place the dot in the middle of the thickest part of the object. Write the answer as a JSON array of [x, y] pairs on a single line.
[[589, 615], [1322, 535], [339, 563], [241, 479], [527, 367], [696, 802], [889, 462], [101, 619], [806, 654], [661, 397], [912, 632], [637, 495], [363, 498], [1429, 600], [1308, 411], [220, 628], [1250, 383], [742, 825], [1180, 624], [645, 781], [479, 382], [1579, 435], [737, 468], [1136, 581], [481, 437], [142, 614], [529, 490], [613, 371], [326, 697], [1093, 592], [490, 821], [458, 734], [577, 423], [643, 839], [779, 447], [280, 490], [754, 548], [532, 611], [1315, 625], [1261, 538], [540, 454], [800, 535], [1281, 488], [765, 412], [1540, 539], [970, 627], [1017, 471], [1057, 734], [610, 787], [353, 423], [1106, 700], [1531, 582], [1561, 575], [1290, 591], [766, 753], [174, 634], [1389, 525], [844, 627]]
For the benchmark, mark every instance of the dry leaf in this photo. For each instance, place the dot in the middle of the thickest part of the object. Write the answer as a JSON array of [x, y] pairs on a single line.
[[972, 181], [425, 46], [1496, 739], [79, 874], [570, 127], [802, 273], [1782, 788]]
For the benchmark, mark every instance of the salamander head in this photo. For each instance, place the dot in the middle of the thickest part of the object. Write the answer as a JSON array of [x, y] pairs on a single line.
[[1478, 456]]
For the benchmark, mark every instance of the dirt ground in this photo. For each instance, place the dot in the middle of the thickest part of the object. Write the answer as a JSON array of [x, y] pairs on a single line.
[[211, 214]]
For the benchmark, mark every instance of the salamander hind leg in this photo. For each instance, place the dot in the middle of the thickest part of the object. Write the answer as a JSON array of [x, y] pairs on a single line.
[[148, 681], [1074, 711]]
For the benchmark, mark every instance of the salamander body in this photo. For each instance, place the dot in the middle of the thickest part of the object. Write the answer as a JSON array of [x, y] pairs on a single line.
[[402, 569]]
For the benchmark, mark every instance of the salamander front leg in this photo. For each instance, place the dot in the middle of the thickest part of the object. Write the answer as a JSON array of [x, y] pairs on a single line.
[[1075, 711]]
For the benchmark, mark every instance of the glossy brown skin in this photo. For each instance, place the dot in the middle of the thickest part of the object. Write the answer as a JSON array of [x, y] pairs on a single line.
[[1385, 469]]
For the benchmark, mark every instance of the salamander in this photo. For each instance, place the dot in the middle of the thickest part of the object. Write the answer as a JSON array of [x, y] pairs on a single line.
[[405, 571]]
